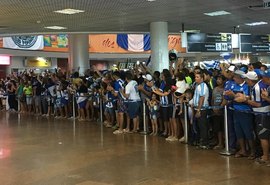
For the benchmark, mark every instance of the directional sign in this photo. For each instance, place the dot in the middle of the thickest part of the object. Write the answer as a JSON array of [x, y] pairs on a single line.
[[202, 42], [254, 43]]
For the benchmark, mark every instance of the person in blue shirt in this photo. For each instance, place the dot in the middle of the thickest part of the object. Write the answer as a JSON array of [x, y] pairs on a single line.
[[259, 105], [227, 100], [243, 119]]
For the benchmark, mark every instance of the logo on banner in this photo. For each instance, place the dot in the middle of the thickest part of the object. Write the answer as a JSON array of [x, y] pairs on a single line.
[[25, 41]]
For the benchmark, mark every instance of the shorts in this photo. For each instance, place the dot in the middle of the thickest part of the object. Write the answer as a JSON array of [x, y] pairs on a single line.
[[218, 123], [121, 106], [109, 110], [29, 100], [64, 101], [263, 128], [166, 113], [133, 109], [243, 125], [176, 111], [82, 104], [58, 103], [37, 101]]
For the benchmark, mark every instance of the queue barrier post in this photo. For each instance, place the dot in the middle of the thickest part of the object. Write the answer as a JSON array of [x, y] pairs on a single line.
[[101, 109], [144, 120], [186, 123], [227, 149], [73, 107]]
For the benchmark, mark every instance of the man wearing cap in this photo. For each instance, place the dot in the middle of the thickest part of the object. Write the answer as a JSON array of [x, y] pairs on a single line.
[[243, 121], [145, 93], [227, 100], [259, 105], [264, 126]]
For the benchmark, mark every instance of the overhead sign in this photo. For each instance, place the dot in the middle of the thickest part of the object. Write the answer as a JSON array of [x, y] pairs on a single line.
[[126, 65], [203, 42], [254, 43]]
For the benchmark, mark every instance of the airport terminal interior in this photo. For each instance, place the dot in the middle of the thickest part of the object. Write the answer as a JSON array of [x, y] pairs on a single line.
[[134, 92]]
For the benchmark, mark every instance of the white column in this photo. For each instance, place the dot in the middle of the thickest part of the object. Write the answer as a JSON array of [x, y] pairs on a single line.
[[159, 46], [79, 52]]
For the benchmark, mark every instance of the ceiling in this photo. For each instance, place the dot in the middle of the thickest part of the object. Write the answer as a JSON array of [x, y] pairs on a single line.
[[31, 16]]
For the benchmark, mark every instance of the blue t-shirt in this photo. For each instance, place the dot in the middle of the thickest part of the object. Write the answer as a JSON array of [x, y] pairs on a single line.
[[241, 88], [118, 85]]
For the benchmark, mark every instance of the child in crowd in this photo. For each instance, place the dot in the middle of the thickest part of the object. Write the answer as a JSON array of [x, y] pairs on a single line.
[[188, 100], [153, 105], [218, 115], [108, 107]]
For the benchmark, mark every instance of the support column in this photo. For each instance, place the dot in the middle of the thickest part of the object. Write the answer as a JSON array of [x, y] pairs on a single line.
[[159, 46], [79, 52]]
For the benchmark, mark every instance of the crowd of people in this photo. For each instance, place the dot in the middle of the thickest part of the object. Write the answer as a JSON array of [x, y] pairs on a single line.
[[244, 89]]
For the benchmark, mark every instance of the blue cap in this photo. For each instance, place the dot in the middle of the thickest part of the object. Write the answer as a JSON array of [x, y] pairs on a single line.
[[266, 73]]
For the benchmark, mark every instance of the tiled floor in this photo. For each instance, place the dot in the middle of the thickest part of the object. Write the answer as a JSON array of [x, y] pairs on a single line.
[[41, 151]]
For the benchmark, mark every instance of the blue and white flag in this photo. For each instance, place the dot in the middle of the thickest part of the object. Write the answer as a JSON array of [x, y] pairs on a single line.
[[26, 42], [134, 42], [212, 64]]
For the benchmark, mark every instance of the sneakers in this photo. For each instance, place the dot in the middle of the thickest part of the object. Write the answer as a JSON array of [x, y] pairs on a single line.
[[182, 139], [168, 138], [118, 132], [204, 147], [171, 138]]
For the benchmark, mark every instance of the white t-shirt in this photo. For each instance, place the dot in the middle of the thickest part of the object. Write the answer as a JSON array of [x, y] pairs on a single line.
[[132, 91], [182, 86]]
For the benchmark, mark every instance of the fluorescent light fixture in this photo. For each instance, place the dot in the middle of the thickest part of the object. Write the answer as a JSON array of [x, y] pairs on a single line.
[[256, 23], [217, 13], [69, 11], [150, 0], [192, 31], [56, 27]]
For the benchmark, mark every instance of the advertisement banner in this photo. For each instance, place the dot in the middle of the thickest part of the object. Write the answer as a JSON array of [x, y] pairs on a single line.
[[24, 42], [109, 43]]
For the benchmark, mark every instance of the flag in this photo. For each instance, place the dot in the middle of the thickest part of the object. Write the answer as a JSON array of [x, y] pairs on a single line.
[[24, 42], [212, 64], [148, 61], [134, 42]]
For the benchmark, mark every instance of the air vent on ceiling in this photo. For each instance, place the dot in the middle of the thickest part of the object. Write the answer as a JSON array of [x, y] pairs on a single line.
[[3, 27], [256, 7]]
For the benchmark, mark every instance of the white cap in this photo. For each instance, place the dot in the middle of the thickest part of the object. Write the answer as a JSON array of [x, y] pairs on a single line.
[[231, 68], [251, 75], [239, 72], [148, 77]]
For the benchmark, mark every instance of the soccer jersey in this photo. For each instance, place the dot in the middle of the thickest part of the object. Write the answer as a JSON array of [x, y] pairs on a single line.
[[256, 96], [201, 90], [132, 91], [244, 89]]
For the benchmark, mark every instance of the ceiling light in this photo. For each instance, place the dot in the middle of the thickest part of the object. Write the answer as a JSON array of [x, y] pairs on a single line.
[[55, 27], [150, 0], [69, 11], [192, 31], [256, 23], [217, 13]]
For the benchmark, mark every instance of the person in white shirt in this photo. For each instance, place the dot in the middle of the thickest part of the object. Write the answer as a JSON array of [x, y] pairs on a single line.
[[133, 97]]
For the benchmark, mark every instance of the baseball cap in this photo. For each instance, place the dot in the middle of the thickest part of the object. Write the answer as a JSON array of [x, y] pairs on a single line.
[[231, 68], [251, 75], [266, 73], [239, 72], [148, 77]]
